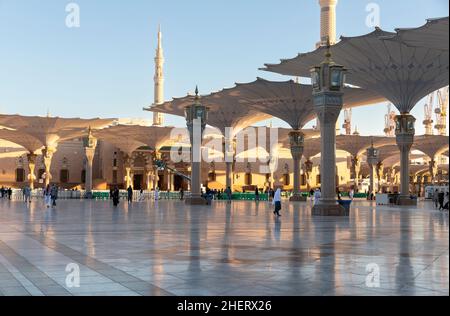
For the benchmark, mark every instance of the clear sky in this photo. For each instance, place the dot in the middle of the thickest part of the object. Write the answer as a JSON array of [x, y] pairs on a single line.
[[105, 68]]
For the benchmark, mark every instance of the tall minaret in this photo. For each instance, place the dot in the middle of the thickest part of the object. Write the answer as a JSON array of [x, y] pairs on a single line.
[[158, 118], [328, 33], [327, 22]]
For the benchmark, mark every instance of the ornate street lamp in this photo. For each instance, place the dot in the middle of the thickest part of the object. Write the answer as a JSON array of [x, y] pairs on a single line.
[[308, 169], [372, 160], [90, 144], [404, 132], [196, 117], [328, 83], [297, 141]]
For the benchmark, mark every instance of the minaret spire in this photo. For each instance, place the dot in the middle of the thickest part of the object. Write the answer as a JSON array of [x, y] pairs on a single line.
[[158, 118], [327, 22]]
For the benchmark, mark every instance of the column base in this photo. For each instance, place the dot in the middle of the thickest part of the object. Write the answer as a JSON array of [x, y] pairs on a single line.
[[406, 200], [195, 200], [328, 210], [297, 198], [88, 195]]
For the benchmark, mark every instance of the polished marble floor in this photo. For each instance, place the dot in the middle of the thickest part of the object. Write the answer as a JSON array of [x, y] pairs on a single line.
[[240, 249]]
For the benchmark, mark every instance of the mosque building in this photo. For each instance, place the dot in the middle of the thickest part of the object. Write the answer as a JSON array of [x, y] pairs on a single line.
[[123, 162]]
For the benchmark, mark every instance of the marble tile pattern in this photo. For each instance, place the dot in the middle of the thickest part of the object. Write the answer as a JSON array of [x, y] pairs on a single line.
[[167, 248]]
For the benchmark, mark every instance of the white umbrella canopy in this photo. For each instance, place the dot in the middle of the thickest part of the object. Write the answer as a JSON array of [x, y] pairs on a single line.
[[51, 130], [224, 111], [434, 34], [356, 145], [30, 143], [431, 145], [381, 62], [291, 101]]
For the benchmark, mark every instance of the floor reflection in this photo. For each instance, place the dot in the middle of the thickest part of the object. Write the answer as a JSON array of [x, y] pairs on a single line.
[[236, 249]]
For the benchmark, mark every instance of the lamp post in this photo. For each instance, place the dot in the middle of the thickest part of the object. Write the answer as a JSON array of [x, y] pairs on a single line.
[[196, 116], [308, 171], [372, 160], [355, 170], [47, 154], [229, 150], [404, 131], [328, 83], [297, 141], [90, 144], [127, 163], [31, 167]]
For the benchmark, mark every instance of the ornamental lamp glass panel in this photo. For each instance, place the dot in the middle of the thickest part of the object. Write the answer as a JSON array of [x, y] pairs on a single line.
[[410, 125], [199, 112], [336, 77], [187, 113], [315, 78]]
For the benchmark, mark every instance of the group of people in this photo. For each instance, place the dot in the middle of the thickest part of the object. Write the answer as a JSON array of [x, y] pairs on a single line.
[[51, 195], [26, 192], [6, 193], [114, 194], [440, 200]]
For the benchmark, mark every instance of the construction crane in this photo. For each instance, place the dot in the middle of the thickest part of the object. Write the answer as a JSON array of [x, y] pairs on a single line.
[[347, 121], [441, 111], [389, 119], [428, 121]]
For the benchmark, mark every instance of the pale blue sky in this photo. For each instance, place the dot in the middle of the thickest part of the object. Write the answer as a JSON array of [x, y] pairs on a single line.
[[105, 67]]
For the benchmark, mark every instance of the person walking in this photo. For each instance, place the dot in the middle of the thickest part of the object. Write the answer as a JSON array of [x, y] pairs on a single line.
[[446, 199], [157, 194], [141, 195], [229, 194], [436, 198], [277, 202], [130, 194], [317, 196], [47, 196], [115, 196], [256, 195], [27, 194], [54, 194], [351, 194], [181, 194], [441, 197]]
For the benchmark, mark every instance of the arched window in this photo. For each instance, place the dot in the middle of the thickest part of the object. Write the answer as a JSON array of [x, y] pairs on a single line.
[[287, 179], [20, 175], [41, 173], [303, 179], [248, 179], [64, 176], [212, 176]]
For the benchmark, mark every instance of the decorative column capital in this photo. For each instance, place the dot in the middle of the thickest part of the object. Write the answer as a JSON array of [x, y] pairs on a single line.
[[297, 142], [48, 152], [405, 130], [328, 106], [308, 166], [372, 156], [90, 153], [31, 157]]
